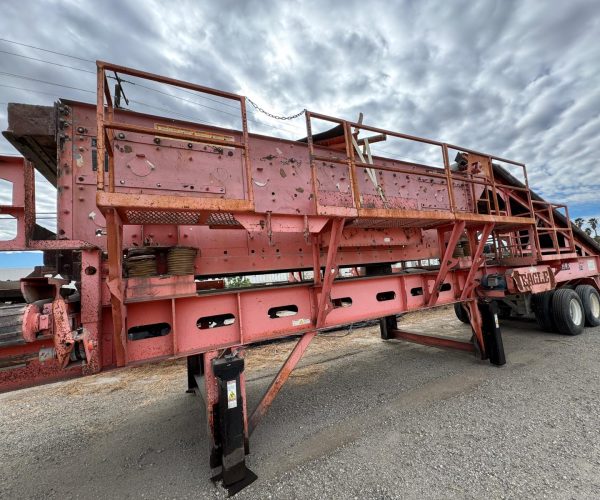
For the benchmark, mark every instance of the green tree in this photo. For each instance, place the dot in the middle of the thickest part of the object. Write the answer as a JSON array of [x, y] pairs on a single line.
[[593, 223], [238, 282], [579, 222], [588, 231]]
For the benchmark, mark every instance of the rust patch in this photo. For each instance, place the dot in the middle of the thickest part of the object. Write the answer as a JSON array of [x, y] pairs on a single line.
[[79, 160]]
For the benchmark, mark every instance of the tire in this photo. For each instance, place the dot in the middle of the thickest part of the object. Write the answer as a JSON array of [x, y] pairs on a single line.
[[590, 298], [461, 313], [542, 308], [567, 310]]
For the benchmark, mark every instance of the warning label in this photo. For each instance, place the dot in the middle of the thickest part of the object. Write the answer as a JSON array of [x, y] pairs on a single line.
[[300, 322], [231, 394]]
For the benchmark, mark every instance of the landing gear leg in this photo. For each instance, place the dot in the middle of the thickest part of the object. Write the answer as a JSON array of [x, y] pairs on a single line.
[[230, 424], [219, 379], [194, 369], [492, 336], [389, 323]]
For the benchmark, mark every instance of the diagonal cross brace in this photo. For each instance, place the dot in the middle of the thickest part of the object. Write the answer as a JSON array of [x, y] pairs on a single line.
[[478, 260], [324, 304], [323, 307], [447, 261]]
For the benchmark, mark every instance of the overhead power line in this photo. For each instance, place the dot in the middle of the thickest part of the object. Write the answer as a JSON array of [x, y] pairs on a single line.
[[47, 62], [26, 90], [196, 94], [181, 98], [133, 83], [138, 102], [47, 50], [45, 82]]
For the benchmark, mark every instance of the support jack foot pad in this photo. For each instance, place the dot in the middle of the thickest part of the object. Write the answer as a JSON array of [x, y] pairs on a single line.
[[238, 486]]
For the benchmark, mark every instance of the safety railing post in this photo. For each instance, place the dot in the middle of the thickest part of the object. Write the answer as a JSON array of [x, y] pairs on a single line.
[[494, 190], [311, 159], [100, 127], [246, 151], [351, 165], [108, 137], [449, 178]]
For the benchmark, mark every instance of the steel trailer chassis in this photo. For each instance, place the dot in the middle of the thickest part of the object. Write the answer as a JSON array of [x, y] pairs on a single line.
[[250, 204]]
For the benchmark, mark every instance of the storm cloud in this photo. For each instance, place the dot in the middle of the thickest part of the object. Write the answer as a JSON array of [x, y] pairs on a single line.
[[519, 80]]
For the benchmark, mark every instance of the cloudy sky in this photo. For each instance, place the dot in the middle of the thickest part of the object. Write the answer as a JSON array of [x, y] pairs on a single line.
[[519, 79]]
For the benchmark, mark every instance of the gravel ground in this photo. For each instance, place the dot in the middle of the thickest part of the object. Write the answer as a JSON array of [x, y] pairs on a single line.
[[361, 418]]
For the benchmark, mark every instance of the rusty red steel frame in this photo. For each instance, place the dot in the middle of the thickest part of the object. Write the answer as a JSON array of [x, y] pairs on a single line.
[[365, 236]]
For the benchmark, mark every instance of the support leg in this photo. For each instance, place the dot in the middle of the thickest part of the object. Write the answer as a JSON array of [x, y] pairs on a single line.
[[114, 237], [231, 429], [486, 332], [219, 380], [207, 387], [194, 370], [91, 309], [388, 324], [492, 337]]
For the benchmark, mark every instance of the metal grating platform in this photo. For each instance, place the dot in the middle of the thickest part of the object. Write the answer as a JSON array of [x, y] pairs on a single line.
[[222, 219], [154, 217], [393, 223]]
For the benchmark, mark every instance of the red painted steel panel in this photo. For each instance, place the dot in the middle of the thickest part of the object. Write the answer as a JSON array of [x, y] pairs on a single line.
[[251, 204]]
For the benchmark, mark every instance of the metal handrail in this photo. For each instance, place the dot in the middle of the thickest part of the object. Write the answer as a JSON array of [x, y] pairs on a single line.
[[448, 175], [105, 121]]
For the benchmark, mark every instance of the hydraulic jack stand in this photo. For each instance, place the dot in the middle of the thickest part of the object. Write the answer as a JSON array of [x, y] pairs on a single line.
[[229, 425]]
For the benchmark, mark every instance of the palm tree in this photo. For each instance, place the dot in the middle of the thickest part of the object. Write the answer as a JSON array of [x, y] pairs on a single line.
[[593, 223], [579, 222], [588, 231]]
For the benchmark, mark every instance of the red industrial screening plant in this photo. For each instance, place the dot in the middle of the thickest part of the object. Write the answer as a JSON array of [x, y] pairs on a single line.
[[153, 213]]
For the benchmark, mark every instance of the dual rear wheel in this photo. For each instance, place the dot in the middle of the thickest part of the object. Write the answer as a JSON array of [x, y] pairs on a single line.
[[566, 310]]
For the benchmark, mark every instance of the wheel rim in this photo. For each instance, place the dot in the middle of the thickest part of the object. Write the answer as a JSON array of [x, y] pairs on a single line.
[[575, 311], [595, 305]]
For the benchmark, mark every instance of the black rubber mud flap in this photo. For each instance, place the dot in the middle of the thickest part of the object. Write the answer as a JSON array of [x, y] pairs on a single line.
[[492, 337]]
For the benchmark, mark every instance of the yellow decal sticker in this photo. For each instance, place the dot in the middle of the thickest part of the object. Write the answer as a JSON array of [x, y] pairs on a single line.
[[194, 135], [231, 394], [300, 322]]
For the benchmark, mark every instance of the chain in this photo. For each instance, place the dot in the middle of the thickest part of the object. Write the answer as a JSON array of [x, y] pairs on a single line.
[[277, 117]]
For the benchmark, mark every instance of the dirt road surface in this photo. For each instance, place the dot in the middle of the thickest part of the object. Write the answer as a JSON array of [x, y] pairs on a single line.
[[360, 418]]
